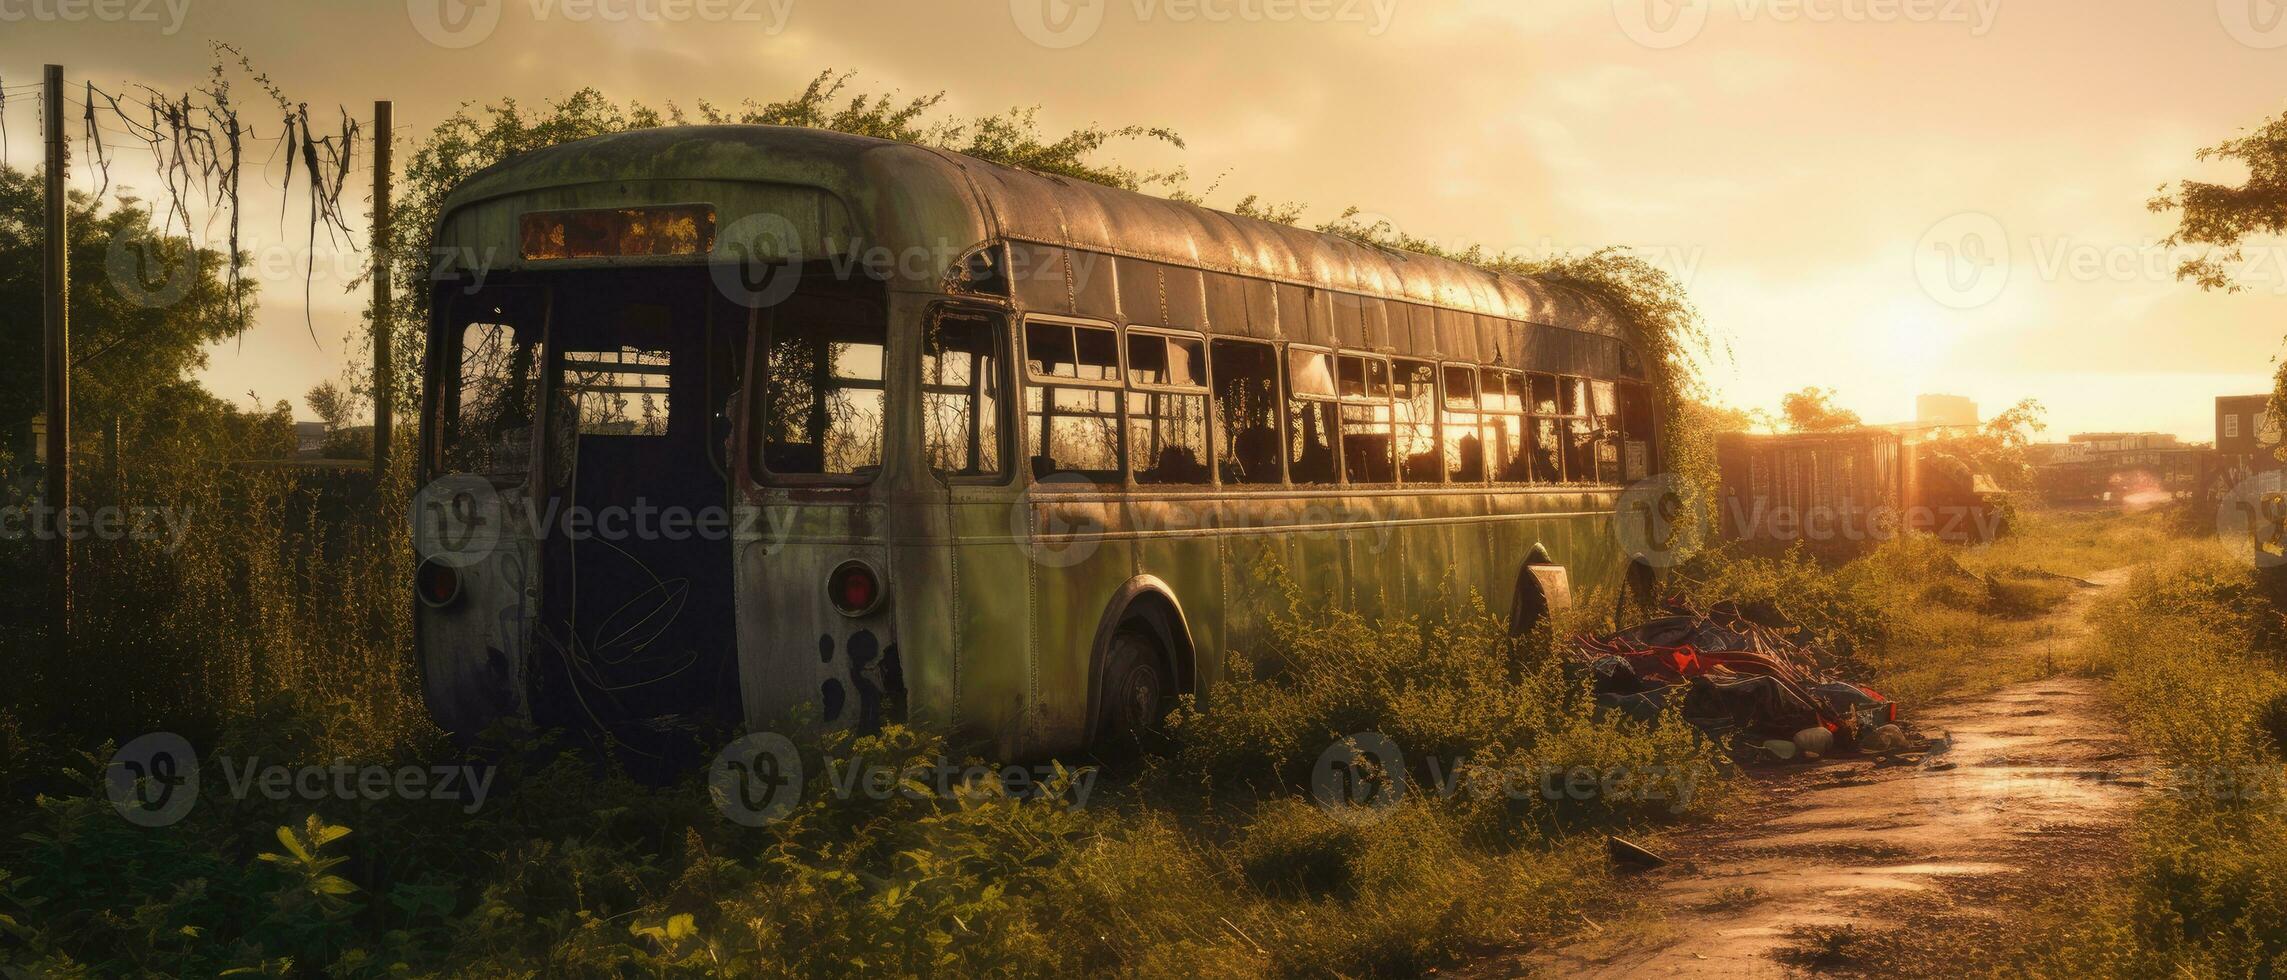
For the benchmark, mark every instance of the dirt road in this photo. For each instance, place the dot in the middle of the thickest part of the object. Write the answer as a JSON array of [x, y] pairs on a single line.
[[1856, 868]]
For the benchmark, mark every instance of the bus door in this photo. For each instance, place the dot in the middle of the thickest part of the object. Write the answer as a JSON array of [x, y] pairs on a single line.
[[637, 635]]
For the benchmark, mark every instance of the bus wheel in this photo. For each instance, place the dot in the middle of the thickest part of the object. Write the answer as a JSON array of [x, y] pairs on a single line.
[[1136, 690]]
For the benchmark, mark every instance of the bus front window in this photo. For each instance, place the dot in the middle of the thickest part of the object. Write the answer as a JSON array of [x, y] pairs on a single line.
[[488, 411]]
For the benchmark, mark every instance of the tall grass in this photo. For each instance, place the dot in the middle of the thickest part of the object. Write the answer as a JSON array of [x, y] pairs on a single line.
[[1211, 858], [261, 591], [2192, 647], [278, 630]]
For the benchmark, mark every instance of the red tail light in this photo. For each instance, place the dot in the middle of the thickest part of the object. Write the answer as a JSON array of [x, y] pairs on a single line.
[[438, 584], [854, 588]]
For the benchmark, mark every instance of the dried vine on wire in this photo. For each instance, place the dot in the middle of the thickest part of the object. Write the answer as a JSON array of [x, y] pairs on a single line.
[[197, 142]]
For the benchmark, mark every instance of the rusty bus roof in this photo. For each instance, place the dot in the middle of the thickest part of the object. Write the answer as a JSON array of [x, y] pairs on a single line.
[[907, 195]]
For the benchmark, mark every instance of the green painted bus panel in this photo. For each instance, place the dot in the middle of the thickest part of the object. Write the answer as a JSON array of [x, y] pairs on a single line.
[[991, 595]]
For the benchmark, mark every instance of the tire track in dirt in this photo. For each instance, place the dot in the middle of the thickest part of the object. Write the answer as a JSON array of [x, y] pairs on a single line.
[[1854, 867]]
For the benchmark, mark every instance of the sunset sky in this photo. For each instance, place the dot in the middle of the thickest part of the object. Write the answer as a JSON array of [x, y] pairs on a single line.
[[1837, 181]]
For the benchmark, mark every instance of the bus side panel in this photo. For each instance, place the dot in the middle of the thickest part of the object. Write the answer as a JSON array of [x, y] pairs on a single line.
[[468, 690], [1076, 573], [922, 566], [1189, 565], [795, 650], [1315, 558], [983, 684], [1245, 598]]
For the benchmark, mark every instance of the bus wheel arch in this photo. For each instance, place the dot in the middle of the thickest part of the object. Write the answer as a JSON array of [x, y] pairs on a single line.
[[1144, 607], [1543, 587]]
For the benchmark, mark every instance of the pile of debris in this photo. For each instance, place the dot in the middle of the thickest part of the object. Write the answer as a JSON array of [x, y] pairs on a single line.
[[1741, 681]]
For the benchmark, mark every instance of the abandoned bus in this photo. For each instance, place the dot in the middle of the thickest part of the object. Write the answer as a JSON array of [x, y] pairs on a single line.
[[782, 426]]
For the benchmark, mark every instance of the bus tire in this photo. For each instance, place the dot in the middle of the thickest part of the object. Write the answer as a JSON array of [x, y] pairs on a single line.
[[1138, 687]]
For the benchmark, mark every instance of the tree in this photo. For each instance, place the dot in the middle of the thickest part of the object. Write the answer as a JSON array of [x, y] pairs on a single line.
[[144, 308], [2221, 218], [1731, 418], [330, 405], [1813, 410], [1997, 449]]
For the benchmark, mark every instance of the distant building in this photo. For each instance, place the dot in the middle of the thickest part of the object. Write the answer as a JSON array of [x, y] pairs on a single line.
[[2046, 453], [309, 438], [2117, 467], [1936, 417], [2121, 442], [1953, 411], [2240, 426]]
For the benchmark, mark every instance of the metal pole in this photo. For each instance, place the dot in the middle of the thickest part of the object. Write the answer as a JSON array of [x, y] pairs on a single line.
[[57, 321], [384, 370]]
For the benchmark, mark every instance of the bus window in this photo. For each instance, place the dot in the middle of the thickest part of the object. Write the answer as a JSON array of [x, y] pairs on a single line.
[[1075, 428], [1580, 451], [821, 399], [1368, 441], [1167, 415], [1048, 351], [1077, 432], [1544, 401], [1635, 432], [1062, 350], [1246, 410], [1573, 437], [1548, 450], [1464, 441], [961, 385], [1504, 391], [1311, 412], [1309, 372], [488, 425], [1415, 398], [1167, 436], [1573, 400], [620, 392], [1604, 403], [1364, 377], [1503, 395], [1507, 443], [1461, 387]]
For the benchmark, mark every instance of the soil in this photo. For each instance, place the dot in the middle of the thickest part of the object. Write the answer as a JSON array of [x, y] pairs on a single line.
[[1854, 867]]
